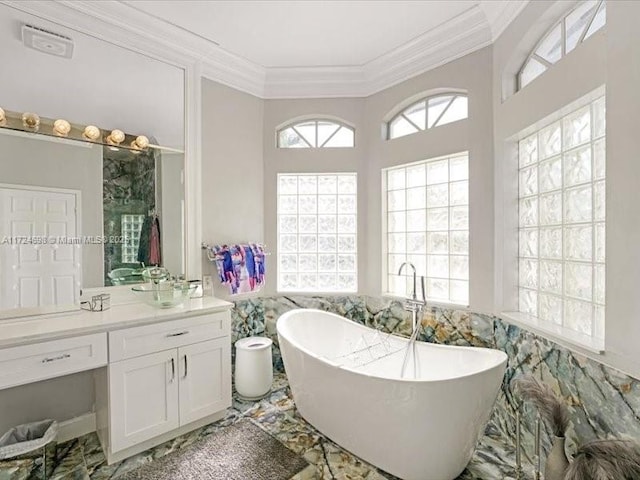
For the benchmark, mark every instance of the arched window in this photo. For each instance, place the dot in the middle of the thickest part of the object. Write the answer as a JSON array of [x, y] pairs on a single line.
[[582, 22], [316, 133], [428, 113]]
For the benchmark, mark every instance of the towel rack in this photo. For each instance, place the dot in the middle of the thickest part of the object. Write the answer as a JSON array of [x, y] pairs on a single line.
[[207, 248]]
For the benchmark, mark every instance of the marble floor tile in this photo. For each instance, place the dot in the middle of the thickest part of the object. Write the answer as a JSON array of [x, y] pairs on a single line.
[[83, 459]]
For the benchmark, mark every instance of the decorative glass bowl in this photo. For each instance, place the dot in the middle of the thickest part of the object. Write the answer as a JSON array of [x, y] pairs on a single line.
[[155, 274], [164, 294]]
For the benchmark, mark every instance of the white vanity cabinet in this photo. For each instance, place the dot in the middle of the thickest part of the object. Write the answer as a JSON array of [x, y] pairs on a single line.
[[158, 373], [162, 380], [143, 399], [204, 379]]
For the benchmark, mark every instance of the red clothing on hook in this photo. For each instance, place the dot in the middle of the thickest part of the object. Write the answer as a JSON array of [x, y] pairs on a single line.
[[154, 243]]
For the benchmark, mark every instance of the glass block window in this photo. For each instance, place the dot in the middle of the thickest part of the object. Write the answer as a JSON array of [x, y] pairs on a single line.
[[317, 233], [316, 134], [428, 113], [582, 22], [426, 210], [131, 227], [562, 222]]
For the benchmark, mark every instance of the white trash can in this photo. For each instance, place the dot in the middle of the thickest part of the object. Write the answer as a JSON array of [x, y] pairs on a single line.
[[254, 367]]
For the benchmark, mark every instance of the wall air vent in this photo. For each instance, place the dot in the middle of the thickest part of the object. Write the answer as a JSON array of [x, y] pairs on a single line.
[[46, 41]]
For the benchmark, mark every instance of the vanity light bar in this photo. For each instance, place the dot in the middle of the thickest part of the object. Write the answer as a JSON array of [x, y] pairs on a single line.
[[33, 123]]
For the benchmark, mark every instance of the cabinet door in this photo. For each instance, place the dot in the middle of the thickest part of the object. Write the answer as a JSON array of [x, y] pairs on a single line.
[[205, 379], [144, 398]]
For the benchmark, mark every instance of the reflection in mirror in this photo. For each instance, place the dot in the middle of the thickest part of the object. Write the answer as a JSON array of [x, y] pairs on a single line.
[[118, 210], [75, 215]]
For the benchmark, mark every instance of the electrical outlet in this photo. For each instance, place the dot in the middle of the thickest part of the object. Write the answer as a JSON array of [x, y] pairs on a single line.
[[207, 285]]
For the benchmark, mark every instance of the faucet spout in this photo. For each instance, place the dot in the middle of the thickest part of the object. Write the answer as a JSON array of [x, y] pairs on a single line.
[[409, 264], [415, 307]]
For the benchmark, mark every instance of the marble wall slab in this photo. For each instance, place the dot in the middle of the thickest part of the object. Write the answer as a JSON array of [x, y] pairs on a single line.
[[603, 402], [128, 187]]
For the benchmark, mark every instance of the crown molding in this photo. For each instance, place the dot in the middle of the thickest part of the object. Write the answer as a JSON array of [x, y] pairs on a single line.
[[127, 26], [458, 37], [507, 13], [462, 35], [314, 82]]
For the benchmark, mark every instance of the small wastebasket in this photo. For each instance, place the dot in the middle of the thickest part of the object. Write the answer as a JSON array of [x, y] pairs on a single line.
[[28, 451], [254, 367]]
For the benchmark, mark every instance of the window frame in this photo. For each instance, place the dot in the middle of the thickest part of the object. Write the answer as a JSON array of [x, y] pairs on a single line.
[[557, 332], [337, 252], [385, 254], [131, 244], [293, 124], [563, 42], [453, 94]]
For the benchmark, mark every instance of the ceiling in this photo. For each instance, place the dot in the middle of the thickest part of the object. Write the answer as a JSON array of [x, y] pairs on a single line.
[[350, 41], [307, 33], [301, 48]]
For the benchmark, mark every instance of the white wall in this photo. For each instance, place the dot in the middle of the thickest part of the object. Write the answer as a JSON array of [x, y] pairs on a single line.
[[473, 74], [331, 160], [609, 57], [170, 190], [372, 153], [232, 169], [579, 73], [60, 399], [623, 180]]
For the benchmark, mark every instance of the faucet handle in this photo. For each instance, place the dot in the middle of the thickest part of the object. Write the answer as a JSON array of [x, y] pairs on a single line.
[[413, 305], [422, 285]]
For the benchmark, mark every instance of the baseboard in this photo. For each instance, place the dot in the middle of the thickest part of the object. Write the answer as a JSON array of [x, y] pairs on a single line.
[[76, 427]]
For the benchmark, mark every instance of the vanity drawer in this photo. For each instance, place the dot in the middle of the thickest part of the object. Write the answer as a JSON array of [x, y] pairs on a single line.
[[137, 341], [40, 361]]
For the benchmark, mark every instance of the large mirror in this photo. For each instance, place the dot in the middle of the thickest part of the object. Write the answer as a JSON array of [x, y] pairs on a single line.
[[74, 214]]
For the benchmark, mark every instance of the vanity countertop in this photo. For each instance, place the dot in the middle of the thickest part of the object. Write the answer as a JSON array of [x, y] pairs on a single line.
[[20, 331]]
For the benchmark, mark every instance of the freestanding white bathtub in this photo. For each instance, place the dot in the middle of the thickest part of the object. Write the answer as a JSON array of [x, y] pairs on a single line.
[[346, 382]]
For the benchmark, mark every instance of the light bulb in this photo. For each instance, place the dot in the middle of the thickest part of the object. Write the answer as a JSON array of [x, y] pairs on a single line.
[[31, 120], [140, 143], [61, 127], [116, 137], [91, 132]]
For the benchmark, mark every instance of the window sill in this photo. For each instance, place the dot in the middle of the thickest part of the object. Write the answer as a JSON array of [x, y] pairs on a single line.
[[555, 333], [313, 293]]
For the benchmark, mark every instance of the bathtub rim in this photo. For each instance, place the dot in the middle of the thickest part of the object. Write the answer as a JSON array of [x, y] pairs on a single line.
[[495, 352]]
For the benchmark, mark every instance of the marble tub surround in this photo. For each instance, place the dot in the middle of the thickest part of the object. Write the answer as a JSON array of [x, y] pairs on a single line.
[[603, 402], [83, 459]]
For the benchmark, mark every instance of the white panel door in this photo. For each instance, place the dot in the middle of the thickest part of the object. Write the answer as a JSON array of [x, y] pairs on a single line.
[[143, 393], [34, 270], [205, 379]]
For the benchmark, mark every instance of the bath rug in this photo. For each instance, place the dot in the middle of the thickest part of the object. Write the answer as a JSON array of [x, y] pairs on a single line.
[[241, 451]]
